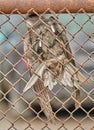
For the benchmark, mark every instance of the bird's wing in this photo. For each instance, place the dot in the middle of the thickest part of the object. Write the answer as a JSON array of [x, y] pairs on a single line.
[[48, 80], [60, 31], [71, 67], [34, 77]]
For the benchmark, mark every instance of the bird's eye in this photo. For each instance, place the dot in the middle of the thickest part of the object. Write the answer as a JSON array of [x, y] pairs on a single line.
[[40, 44], [39, 49], [52, 28]]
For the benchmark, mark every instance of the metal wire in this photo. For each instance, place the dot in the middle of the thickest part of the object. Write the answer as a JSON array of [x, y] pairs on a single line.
[[40, 6], [37, 107]]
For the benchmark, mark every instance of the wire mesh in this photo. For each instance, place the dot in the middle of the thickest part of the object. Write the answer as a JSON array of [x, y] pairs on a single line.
[[55, 51]]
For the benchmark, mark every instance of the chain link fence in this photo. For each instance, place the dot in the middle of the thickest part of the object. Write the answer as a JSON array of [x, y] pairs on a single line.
[[47, 71]]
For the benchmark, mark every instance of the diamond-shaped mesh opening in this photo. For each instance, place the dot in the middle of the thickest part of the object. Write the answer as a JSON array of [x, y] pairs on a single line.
[[47, 71]]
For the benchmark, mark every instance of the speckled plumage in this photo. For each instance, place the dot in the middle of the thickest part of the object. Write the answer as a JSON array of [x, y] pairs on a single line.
[[51, 47], [49, 55]]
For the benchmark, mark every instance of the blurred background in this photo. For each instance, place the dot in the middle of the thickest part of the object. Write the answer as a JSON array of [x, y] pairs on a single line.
[[14, 73]]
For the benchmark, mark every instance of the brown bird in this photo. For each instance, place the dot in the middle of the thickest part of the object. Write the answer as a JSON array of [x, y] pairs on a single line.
[[50, 59]]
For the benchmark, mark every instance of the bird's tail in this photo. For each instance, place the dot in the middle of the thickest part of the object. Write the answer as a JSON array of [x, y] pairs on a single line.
[[44, 100], [41, 92]]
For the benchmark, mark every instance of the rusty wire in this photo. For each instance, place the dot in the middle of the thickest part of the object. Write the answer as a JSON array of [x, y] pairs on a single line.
[[21, 110], [40, 6]]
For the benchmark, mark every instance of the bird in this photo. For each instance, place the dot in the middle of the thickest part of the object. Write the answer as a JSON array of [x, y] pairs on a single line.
[[50, 59]]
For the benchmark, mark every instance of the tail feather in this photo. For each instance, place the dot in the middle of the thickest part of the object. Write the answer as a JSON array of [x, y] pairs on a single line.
[[44, 100]]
